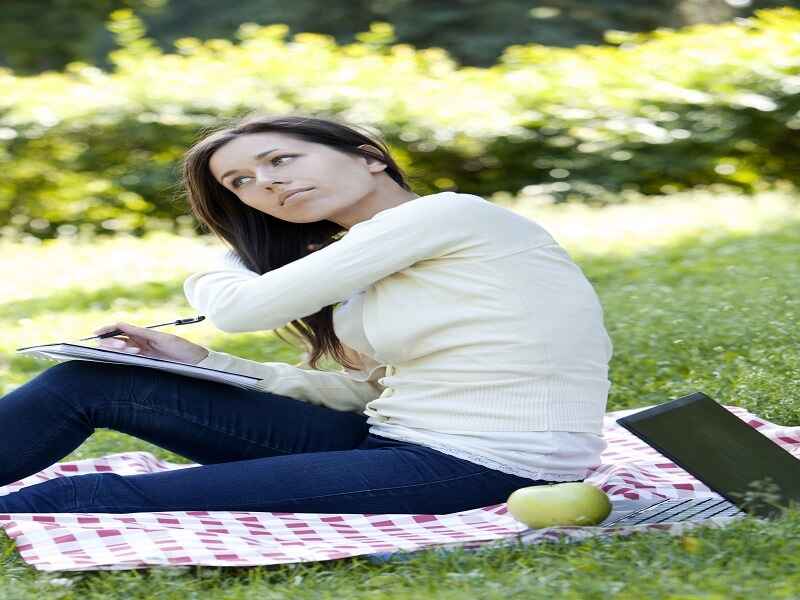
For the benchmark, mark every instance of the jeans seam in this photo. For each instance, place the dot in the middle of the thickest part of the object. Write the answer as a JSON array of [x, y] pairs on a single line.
[[95, 489], [222, 507], [198, 423], [74, 492], [133, 402], [399, 487], [54, 434], [79, 410]]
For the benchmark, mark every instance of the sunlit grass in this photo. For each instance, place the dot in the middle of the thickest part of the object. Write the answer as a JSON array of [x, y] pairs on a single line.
[[40, 268], [660, 221]]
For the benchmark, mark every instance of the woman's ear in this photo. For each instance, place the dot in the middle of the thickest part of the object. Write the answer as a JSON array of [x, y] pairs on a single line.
[[376, 164]]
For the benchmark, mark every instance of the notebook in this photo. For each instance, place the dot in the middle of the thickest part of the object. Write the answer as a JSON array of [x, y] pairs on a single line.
[[718, 448], [68, 351]]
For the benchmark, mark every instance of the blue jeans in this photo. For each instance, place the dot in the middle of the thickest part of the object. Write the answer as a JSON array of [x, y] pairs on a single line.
[[257, 451]]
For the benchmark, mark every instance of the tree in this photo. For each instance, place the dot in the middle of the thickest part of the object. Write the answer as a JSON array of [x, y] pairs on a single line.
[[36, 35]]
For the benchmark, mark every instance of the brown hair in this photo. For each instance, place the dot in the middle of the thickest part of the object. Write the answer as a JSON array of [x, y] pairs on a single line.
[[263, 242]]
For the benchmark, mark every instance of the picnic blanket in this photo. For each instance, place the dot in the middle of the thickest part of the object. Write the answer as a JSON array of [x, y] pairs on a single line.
[[629, 470]]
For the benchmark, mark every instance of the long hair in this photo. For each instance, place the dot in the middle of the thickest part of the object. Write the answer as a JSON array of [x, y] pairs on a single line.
[[263, 242]]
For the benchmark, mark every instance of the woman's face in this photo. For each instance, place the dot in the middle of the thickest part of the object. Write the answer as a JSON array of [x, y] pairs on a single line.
[[261, 168]]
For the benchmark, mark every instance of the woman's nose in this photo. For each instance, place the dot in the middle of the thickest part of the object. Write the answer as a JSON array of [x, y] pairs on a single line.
[[264, 179]]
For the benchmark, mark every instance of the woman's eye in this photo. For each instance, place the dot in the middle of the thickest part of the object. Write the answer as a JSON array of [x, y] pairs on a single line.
[[280, 157], [235, 182]]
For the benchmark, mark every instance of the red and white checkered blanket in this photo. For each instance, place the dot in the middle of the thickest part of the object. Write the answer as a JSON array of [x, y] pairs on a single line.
[[629, 470]]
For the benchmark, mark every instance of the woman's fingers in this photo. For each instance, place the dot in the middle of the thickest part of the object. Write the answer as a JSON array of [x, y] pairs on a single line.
[[141, 336], [120, 345], [133, 330], [123, 327], [104, 329], [147, 342]]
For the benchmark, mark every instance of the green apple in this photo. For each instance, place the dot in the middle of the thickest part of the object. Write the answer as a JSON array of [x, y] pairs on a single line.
[[572, 503]]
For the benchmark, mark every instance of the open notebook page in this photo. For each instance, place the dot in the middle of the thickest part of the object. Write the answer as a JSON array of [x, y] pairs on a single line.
[[67, 351]]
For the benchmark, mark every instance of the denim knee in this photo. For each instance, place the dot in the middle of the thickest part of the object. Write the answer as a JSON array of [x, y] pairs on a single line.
[[84, 383], [70, 374], [75, 370]]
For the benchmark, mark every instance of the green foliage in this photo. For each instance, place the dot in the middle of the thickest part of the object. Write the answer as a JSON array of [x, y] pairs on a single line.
[[472, 31], [647, 114], [40, 35], [48, 34]]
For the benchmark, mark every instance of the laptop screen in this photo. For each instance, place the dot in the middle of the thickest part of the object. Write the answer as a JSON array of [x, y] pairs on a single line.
[[718, 448]]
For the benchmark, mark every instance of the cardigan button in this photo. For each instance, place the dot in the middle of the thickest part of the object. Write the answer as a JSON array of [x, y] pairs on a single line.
[[387, 392]]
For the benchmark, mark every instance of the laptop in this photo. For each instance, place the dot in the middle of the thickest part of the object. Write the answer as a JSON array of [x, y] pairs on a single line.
[[752, 474]]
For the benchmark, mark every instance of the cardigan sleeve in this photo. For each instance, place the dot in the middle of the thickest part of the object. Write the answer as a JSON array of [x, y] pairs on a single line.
[[345, 391], [235, 299]]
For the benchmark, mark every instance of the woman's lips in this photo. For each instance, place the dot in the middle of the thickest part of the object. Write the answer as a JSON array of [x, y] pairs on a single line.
[[295, 195]]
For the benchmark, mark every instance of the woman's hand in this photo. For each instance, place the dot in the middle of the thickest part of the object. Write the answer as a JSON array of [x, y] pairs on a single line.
[[154, 344]]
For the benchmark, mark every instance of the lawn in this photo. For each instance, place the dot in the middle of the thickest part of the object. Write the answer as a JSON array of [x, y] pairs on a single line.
[[700, 293]]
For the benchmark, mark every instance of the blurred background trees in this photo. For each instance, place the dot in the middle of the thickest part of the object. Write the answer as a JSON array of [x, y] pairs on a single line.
[[36, 35], [94, 116]]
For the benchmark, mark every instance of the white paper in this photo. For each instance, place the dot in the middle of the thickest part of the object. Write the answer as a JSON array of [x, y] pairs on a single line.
[[66, 351]]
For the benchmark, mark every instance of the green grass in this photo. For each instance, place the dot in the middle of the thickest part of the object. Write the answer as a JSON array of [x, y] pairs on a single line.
[[700, 293]]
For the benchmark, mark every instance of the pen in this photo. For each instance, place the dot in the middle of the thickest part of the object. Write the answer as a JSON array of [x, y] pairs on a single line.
[[118, 331]]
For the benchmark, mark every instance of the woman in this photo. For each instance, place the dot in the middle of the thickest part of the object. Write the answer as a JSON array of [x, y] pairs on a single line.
[[474, 352]]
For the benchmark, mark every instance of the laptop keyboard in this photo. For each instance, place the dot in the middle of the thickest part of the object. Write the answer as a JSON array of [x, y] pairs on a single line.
[[686, 509]]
